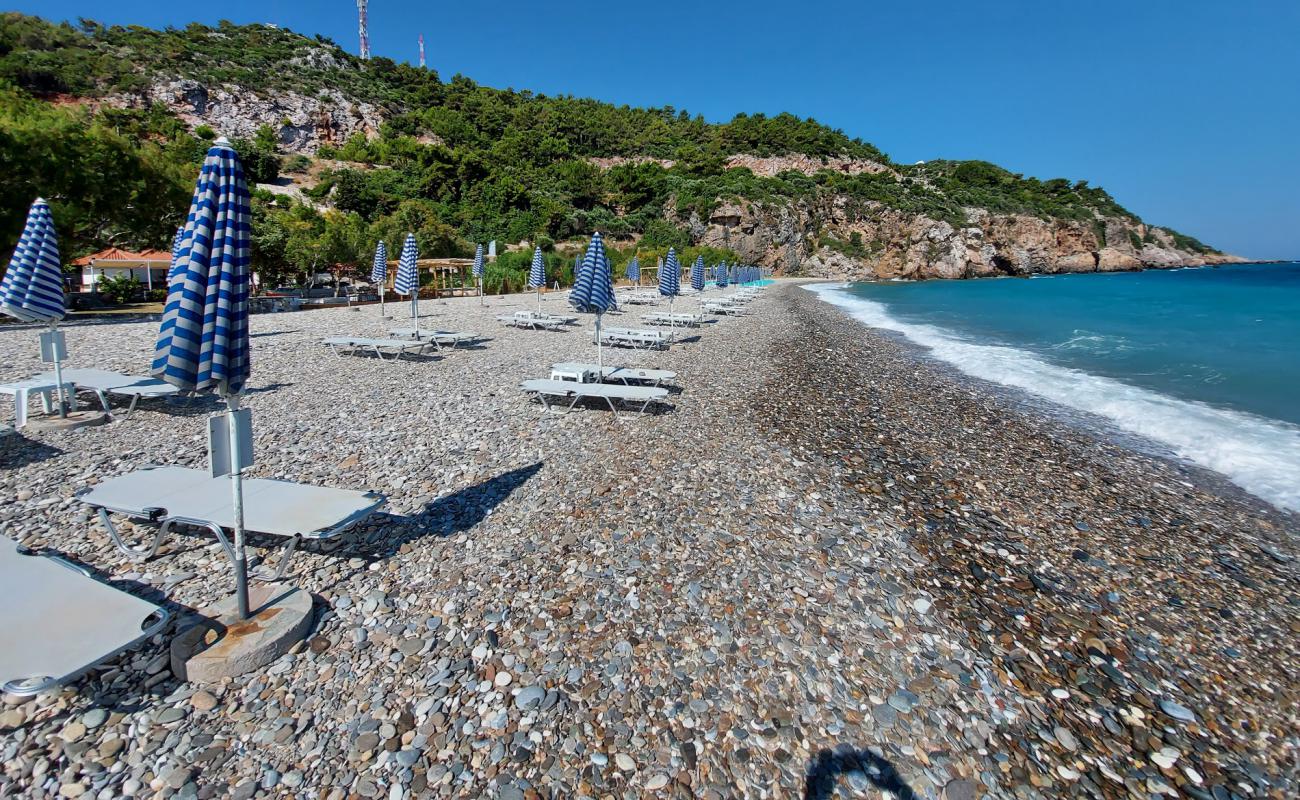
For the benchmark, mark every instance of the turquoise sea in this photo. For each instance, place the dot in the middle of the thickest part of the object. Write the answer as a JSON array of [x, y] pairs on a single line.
[[1205, 361]]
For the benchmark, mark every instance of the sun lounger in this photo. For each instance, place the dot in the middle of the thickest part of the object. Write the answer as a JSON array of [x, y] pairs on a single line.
[[104, 383], [674, 320], [170, 496], [447, 339], [553, 392], [57, 621], [535, 320], [44, 387], [641, 299], [725, 308], [631, 337], [397, 347], [589, 373]]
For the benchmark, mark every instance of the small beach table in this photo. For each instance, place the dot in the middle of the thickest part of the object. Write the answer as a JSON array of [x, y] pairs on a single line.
[[44, 387]]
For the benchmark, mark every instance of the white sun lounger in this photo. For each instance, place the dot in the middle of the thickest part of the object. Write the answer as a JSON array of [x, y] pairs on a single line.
[[613, 394], [104, 383], [57, 621], [674, 320], [625, 375], [397, 347], [725, 308], [630, 337], [170, 496], [534, 320], [447, 339]]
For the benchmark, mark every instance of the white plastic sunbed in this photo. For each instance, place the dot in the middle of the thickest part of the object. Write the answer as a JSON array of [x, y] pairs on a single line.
[[104, 383], [57, 621], [626, 375], [536, 320], [639, 338], [674, 320], [612, 393], [728, 309], [397, 347], [447, 339], [170, 496]]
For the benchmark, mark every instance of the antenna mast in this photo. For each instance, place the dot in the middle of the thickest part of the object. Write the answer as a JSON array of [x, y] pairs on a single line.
[[422, 51], [364, 28]]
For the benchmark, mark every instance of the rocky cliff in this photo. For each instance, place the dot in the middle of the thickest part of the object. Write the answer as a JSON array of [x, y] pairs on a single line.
[[853, 241], [302, 122]]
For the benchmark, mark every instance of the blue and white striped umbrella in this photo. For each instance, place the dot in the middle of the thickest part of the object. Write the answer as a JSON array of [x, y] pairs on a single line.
[[537, 275], [477, 269], [203, 340], [721, 279], [379, 269], [32, 289], [406, 276], [593, 287], [670, 277], [537, 272], [178, 241], [697, 274], [633, 272]]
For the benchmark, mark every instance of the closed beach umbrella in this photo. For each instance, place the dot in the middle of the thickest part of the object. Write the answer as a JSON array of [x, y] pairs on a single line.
[[721, 280], [379, 272], [203, 340], [177, 241], [477, 269], [537, 275], [32, 289], [634, 271], [593, 288], [670, 278], [408, 281], [697, 274]]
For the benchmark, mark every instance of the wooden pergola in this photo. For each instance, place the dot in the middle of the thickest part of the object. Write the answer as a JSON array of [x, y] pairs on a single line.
[[451, 276]]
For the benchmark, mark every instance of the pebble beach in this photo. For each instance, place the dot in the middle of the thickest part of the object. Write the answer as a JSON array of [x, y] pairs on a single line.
[[829, 567]]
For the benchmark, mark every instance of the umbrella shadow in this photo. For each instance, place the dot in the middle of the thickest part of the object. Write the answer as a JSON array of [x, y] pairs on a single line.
[[446, 516], [861, 764], [19, 451]]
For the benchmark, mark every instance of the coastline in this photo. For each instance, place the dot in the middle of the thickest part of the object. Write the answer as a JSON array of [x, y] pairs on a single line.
[[808, 568]]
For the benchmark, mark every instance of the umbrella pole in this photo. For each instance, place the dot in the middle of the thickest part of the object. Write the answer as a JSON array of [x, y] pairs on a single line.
[[58, 369], [237, 493], [539, 299], [381, 301], [600, 355], [415, 310]]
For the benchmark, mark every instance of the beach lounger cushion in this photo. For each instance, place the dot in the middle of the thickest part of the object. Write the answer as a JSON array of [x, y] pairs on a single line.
[[57, 621]]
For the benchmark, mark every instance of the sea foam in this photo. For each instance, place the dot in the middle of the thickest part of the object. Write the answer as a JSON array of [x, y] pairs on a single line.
[[1260, 455]]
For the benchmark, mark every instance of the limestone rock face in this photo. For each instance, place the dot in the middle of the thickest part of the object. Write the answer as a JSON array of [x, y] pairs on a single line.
[[302, 122], [842, 239]]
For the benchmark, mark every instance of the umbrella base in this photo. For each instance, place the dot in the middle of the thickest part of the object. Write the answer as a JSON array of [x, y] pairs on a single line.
[[223, 646], [74, 420]]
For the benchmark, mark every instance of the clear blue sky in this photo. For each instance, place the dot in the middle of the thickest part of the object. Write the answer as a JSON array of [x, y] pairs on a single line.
[[1187, 111]]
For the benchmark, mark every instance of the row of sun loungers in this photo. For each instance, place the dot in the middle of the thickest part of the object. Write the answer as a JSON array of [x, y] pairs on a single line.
[[401, 342], [634, 338], [674, 320]]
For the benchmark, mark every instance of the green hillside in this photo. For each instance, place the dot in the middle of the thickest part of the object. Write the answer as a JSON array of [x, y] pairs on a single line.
[[463, 162]]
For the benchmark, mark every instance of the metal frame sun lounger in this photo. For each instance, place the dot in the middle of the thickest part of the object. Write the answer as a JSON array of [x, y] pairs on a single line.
[[104, 383], [170, 496], [443, 339], [536, 321], [398, 347], [637, 338], [57, 621], [673, 320], [725, 308], [626, 375], [573, 391]]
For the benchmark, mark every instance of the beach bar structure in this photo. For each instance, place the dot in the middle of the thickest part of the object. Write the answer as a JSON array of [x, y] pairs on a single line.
[[148, 266], [452, 277]]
